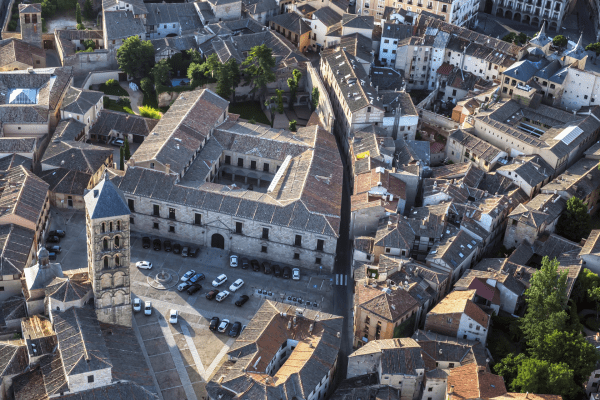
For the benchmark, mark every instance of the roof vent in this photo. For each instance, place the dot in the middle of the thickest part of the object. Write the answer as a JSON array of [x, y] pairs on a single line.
[[378, 183], [96, 193]]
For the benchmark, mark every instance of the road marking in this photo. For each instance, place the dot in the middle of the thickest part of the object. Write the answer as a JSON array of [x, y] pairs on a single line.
[[217, 359], [146, 357], [194, 351], [345, 280]]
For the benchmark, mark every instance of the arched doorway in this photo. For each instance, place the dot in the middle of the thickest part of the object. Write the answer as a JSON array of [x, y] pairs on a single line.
[[217, 241], [526, 19], [500, 13], [508, 14], [517, 17]]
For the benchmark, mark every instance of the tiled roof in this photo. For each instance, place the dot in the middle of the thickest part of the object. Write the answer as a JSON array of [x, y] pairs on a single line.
[[105, 200], [30, 8], [183, 14], [461, 301], [391, 306], [527, 396], [358, 21], [291, 22], [80, 101], [68, 129], [370, 182], [68, 289], [16, 243], [592, 244], [358, 45], [76, 156], [123, 123], [327, 16], [122, 24], [66, 181], [475, 145], [474, 382], [13, 359], [15, 50], [23, 195]]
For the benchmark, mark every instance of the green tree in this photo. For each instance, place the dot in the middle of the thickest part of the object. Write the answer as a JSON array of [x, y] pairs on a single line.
[[66, 4], [546, 300], [509, 366], [88, 9], [510, 37], [161, 72], [223, 81], [259, 67], [560, 41], [574, 223], [293, 85], [211, 65], [136, 57], [147, 86], [595, 47], [585, 281], [594, 295], [268, 105], [543, 377], [89, 44], [195, 56], [233, 69], [279, 100], [178, 64], [122, 164], [195, 73], [48, 8], [314, 98], [293, 125], [126, 151], [78, 13]]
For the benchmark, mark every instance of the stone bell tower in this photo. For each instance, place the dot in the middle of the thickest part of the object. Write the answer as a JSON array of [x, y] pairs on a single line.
[[107, 227]]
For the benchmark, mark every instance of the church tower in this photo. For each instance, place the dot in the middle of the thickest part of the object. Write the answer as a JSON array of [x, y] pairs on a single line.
[[107, 227], [30, 16]]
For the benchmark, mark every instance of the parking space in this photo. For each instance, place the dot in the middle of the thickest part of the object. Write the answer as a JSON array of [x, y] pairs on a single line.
[[184, 356]]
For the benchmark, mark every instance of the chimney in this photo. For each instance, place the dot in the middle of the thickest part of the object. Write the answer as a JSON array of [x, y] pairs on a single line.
[[377, 89], [168, 168]]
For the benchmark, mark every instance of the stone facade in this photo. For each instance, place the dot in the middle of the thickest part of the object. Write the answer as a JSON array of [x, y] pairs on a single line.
[[30, 16]]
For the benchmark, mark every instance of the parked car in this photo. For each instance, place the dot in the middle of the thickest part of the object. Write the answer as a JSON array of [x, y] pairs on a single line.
[[219, 280], [52, 256], [58, 233], [53, 239], [287, 273], [222, 296], [235, 329], [194, 252], [184, 285], [144, 264], [267, 267], [276, 271], [197, 278], [173, 314], [185, 252], [233, 261], [245, 263], [148, 308], [186, 277], [53, 248], [156, 245], [212, 294], [117, 142], [214, 323], [255, 265], [193, 289], [146, 242], [176, 248], [236, 285], [167, 244], [137, 304], [296, 274], [242, 300], [223, 326]]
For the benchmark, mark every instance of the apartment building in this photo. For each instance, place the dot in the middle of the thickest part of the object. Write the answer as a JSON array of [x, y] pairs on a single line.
[[533, 12], [457, 12]]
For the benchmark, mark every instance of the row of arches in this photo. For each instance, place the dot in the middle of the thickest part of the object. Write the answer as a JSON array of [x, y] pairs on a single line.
[[110, 227], [109, 281], [524, 18], [109, 299], [115, 261], [111, 244]]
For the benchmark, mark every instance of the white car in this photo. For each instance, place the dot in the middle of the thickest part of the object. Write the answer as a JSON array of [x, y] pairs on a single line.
[[137, 304], [233, 261], [144, 264], [183, 286], [223, 326], [222, 295], [296, 274], [236, 285], [173, 314], [186, 277], [219, 280], [148, 308]]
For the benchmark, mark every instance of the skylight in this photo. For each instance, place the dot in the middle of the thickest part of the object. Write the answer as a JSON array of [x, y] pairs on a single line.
[[23, 96]]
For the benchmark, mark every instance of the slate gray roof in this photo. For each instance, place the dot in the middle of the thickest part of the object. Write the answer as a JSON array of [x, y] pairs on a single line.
[[38, 276], [68, 129], [396, 31], [122, 24], [358, 21], [387, 78], [24, 195], [77, 156], [184, 14], [68, 289], [531, 173], [70, 38], [105, 201], [80, 341], [13, 359], [16, 243], [16, 50], [327, 16], [123, 123], [181, 43], [30, 8], [256, 7], [291, 22], [66, 181], [358, 45], [18, 145], [12, 309], [476, 146], [138, 6], [80, 101], [525, 70]]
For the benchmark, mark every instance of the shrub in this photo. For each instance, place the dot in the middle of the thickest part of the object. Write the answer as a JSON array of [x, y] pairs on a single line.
[[12, 25], [112, 82], [147, 86], [592, 323], [105, 101], [125, 101], [80, 27], [128, 110], [293, 125], [149, 112]]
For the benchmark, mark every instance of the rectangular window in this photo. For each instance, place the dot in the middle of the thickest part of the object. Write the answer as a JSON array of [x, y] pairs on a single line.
[[156, 210], [197, 219], [265, 234], [90, 378], [34, 18], [368, 109], [171, 213], [238, 228], [155, 226], [27, 20], [298, 240], [387, 249], [131, 204], [131, 220], [227, 160], [266, 167], [296, 256], [451, 365], [320, 244], [318, 260], [263, 249], [240, 162], [252, 164], [172, 229]]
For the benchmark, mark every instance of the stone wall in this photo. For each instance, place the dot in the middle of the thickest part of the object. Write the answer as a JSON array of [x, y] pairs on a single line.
[[98, 77], [10, 287], [88, 62], [324, 109], [80, 382], [438, 120]]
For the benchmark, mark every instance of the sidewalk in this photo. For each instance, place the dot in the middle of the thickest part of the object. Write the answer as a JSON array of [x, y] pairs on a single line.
[[135, 97]]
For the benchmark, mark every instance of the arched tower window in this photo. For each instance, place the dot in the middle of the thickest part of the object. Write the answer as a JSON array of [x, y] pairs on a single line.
[[111, 226], [105, 262], [117, 261], [118, 225], [105, 244], [103, 228], [117, 242]]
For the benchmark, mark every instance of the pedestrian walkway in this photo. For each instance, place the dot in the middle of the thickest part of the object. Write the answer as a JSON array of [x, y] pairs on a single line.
[[341, 279], [135, 97]]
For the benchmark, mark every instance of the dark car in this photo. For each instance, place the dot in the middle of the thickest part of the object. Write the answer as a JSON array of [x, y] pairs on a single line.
[[146, 242], [287, 273], [212, 294], [53, 239], [276, 271], [167, 245], [52, 256], [267, 268], [156, 244], [194, 252], [214, 323], [235, 329], [53, 248], [176, 248], [245, 263], [255, 265], [58, 233], [242, 300], [197, 278], [193, 289]]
